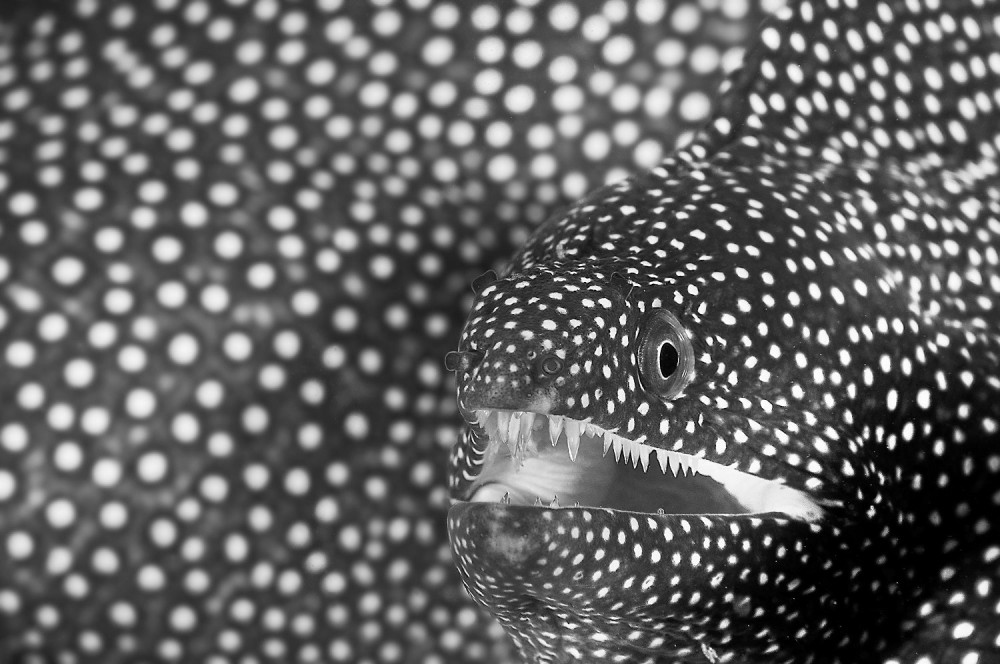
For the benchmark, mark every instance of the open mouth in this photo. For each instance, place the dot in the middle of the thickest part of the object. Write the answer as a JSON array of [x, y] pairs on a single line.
[[555, 461]]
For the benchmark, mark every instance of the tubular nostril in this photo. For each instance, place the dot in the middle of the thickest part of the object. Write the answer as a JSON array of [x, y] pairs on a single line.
[[461, 360], [483, 280]]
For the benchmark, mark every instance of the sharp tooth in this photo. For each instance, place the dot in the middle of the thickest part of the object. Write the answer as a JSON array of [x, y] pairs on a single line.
[[618, 443], [555, 428], [644, 456], [576, 504], [513, 431], [608, 437], [527, 423], [662, 457], [631, 452], [572, 437], [555, 501], [675, 465], [502, 421], [506, 498], [573, 444], [538, 502], [593, 430], [682, 464], [688, 463]]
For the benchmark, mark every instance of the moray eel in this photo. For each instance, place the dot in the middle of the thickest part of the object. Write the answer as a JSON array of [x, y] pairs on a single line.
[[235, 240], [744, 406]]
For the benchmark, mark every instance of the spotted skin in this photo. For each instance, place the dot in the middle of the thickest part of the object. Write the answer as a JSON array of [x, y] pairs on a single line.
[[830, 246], [235, 241]]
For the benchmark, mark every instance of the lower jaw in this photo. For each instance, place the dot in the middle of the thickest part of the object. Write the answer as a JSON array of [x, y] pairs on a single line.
[[535, 569]]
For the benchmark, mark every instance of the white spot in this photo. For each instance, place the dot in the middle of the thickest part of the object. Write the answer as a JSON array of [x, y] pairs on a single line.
[[963, 630], [152, 467], [519, 99], [140, 403]]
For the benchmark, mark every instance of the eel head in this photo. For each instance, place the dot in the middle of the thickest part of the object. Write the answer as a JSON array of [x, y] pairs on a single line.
[[616, 490]]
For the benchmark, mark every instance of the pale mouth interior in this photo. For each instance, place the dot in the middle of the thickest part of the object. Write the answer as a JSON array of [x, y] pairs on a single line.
[[555, 461]]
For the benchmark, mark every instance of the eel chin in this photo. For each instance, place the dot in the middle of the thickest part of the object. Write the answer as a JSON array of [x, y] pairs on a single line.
[[555, 461]]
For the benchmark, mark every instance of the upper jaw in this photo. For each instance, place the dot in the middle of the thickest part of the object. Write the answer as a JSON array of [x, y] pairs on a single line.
[[553, 460]]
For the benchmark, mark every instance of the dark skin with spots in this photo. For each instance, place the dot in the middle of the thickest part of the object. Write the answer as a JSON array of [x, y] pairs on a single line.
[[835, 277]]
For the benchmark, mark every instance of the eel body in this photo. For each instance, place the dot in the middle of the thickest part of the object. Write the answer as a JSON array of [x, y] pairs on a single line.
[[744, 406]]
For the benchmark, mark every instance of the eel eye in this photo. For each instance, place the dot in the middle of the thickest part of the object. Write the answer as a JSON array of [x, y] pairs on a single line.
[[666, 356], [552, 365]]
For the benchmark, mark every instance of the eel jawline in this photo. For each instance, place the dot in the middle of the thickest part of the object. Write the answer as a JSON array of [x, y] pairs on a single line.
[[525, 462]]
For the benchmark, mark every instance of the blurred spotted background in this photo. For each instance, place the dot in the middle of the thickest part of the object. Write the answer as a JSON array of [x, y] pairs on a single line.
[[236, 238]]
